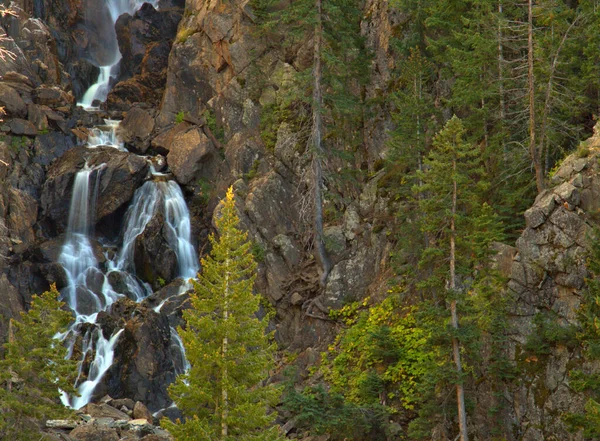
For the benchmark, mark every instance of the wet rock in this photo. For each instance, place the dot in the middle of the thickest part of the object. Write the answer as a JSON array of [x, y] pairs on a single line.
[[143, 367], [118, 175], [155, 261], [190, 155]]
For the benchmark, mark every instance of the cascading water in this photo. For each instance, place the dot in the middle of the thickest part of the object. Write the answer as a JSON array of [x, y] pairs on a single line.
[[89, 291], [99, 90]]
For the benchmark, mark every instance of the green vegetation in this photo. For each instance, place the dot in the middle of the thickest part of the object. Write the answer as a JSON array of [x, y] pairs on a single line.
[[222, 395], [211, 121], [34, 368], [204, 190], [179, 117]]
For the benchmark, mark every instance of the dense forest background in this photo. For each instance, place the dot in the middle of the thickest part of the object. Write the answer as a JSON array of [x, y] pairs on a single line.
[[487, 98]]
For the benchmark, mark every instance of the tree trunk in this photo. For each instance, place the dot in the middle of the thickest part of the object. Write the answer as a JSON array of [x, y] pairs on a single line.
[[501, 80], [460, 392], [317, 128], [544, 146], [533, 150], [225, 343]]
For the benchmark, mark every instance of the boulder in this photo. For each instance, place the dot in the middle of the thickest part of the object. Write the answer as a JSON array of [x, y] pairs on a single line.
[[270, 205], [21, 127], [104, 411], [135, 129], [140, 411], [191, 155], [12, 102], [91, 432]]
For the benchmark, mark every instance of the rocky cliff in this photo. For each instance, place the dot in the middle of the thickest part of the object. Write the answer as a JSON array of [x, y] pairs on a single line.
[[191, 85]]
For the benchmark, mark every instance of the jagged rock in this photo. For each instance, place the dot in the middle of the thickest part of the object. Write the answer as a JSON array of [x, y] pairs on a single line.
[[136, 127], [12, 102], [11, 305], [37, 117], [162, 143], [190, 155], [289, 250], [52, 96], [135, 33]]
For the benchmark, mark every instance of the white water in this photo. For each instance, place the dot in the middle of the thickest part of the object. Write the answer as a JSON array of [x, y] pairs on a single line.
[[146, 202], [106, 136], [102, 362], [99, 90], [89, 291]]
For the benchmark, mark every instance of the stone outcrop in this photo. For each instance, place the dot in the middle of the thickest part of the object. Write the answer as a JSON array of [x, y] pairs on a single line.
[[546, 278], [145, 41]]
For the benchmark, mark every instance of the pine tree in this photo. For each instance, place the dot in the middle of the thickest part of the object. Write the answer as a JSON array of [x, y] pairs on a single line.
[[222, 395], [451, 183], [35, 369]]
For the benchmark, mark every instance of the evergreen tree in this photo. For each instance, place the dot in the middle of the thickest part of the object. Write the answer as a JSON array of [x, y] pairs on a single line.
[[222, 395], [450, 201], [35, 369]]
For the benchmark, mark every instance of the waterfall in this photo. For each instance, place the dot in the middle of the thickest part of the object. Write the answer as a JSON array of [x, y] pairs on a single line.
[[106, 135], [99, 90], [146, 202], [89, 290]]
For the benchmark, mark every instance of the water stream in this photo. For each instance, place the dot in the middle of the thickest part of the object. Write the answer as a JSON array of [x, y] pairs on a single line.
[[88, 289]]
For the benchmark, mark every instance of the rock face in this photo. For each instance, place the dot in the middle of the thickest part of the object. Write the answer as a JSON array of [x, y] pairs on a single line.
[[145, 41], [546, 278]]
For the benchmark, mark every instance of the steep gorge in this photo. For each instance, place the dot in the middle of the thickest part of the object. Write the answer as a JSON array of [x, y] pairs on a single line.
[[191, 85]]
